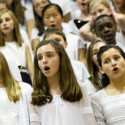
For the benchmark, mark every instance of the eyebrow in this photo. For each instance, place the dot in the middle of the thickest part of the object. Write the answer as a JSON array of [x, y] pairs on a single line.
[[48, 52], [109, 57], [106, 58]]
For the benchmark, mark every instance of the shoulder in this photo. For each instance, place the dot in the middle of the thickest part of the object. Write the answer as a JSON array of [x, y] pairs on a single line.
[[77, 64], [66, 28], [98, 96], [90, 87], [83, 88], [25, 87]]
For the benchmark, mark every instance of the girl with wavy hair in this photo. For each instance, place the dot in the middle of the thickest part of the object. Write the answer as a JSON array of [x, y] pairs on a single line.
[[56, 91]]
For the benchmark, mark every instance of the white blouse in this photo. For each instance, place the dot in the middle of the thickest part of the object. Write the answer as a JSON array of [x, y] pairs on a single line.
[[15, 113], [62, 112], [90, 87], [108, 110], [9, 111]]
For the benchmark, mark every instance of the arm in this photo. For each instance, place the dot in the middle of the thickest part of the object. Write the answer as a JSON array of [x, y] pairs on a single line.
[[29, 62], [85, 32], [34, 43], [30, 24], [87, 111], [81, 56], [120, 20], [98, 111]]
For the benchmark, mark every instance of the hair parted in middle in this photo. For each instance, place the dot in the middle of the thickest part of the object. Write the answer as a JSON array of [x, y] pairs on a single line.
[[69, 86], [16, 31]]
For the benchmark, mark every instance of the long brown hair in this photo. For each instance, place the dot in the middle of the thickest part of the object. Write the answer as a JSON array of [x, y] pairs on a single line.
[[17, 35], [69, 86], [92, 68], [12, 86], [18, 10], [38, 22]]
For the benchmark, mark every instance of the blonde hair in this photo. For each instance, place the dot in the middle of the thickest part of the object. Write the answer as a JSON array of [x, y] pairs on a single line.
[[17, 35], [103, 2], [12, 86]]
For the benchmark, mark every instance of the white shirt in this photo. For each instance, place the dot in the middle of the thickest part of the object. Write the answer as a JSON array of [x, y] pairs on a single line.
[[120, 40], [15, 113], [108, 110], [90, 87], [9, 111], [62, 112], [80, 71]]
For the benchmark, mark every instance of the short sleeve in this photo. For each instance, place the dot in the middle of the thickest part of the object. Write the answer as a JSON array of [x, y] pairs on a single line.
[[81, 43], [28, 15], [34, 33]]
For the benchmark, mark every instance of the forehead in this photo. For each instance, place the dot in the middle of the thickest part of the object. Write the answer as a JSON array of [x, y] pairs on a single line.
[[98, 45], [52, 9], [110, 53], [104, 20], [45, 49], [38, 1], [98, 6], [5, 15], [3, 6], [53, 36]]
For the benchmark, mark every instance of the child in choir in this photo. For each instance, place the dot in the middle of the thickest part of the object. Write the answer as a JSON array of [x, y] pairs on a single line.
[[24, 35], [106, 28], [78, 67], [23, 15], [37, 32], [13, 97], [109, 103], [84, 15], [52, 17], [12, 45], [57, 97], [93, 83], [97, 8], [39, 26]]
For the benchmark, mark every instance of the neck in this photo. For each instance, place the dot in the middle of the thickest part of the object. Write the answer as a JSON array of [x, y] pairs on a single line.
[[118, 84], [54, 85], [85, 15], [9, 38], [61, 28]]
